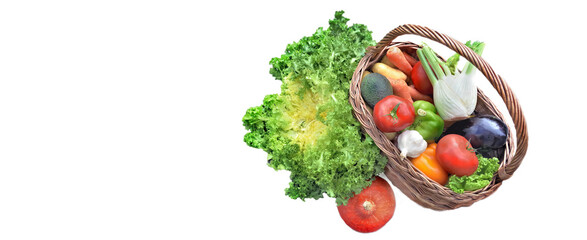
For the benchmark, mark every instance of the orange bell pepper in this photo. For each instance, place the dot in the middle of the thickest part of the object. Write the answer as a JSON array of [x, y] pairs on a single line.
[[428, 164]]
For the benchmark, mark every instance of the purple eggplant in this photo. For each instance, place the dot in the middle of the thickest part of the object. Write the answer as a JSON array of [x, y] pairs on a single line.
[[483, 132], [493, 152]]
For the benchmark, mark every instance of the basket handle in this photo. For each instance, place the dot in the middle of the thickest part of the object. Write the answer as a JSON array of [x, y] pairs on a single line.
[[496, 81]]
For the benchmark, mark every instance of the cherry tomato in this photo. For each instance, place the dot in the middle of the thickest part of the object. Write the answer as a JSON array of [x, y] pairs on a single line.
[[456, 156], [420, 79], [371, 209], [393, 114]]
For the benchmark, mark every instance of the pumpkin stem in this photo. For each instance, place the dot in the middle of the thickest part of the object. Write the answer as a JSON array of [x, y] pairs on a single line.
[[367, 205]]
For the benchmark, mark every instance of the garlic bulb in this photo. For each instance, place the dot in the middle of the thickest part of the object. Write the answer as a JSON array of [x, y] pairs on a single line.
[[411, 143]]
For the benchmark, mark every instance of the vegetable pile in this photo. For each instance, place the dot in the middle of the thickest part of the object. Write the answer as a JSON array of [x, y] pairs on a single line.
[[427, 94], [308, 129], [426, 106]]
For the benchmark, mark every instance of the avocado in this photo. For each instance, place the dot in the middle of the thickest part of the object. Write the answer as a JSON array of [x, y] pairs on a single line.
[[375, 87]]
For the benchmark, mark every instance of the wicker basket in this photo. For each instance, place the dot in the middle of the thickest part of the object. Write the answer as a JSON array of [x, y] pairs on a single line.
[[399, 170]]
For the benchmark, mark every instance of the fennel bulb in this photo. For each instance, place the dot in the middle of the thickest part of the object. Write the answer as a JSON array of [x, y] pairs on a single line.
[[455, 94]]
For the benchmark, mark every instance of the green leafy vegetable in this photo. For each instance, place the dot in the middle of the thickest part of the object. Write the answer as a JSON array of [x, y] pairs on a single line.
[[452, 61], [481, 178], [308, 129]]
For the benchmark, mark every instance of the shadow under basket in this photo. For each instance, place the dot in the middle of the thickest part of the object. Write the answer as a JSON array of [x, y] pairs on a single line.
[[400, 170]]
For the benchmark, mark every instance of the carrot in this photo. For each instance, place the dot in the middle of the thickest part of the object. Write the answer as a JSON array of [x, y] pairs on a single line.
[[401, 89], [416, 95], [410, 59], [386, 61], [389, 72], [398, 59]]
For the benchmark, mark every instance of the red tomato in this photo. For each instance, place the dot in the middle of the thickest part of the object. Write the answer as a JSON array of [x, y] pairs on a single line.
[[456, 156], [371, 209], [420, 79], [393, 114]]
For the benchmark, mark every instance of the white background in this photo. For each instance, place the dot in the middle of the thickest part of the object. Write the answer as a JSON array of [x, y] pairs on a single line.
[[122, 119]]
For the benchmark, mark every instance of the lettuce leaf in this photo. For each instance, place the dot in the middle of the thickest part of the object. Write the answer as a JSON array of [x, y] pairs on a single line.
[[478, 180], [309, 129]]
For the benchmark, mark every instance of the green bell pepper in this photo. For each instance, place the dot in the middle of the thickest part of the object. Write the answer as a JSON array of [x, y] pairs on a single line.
[[427, 122]]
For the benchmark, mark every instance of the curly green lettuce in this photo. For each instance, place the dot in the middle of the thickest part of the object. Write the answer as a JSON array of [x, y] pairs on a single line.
[[309, 129], [478, 180]]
